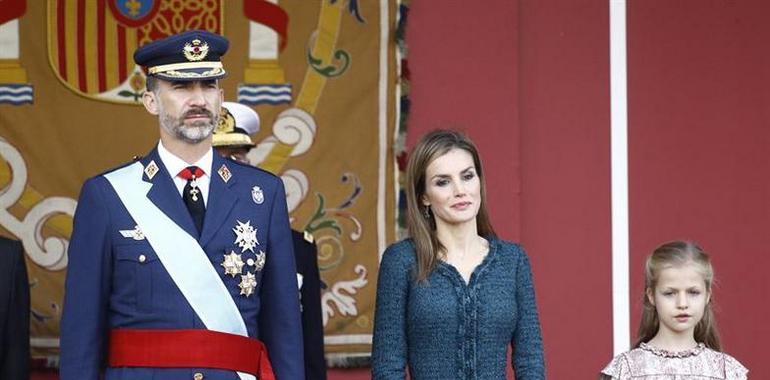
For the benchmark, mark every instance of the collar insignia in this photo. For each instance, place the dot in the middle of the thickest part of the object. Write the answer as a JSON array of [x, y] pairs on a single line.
[[225, 173], [151, 169]]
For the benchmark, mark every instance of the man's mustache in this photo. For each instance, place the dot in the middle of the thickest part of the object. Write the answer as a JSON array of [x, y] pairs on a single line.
[[199, 112]]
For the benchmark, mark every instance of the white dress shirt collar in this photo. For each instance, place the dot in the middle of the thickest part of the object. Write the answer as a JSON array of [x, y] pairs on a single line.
[[174, 165]]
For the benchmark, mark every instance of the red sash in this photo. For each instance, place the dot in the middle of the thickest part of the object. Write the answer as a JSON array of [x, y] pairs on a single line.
[[189, 348]]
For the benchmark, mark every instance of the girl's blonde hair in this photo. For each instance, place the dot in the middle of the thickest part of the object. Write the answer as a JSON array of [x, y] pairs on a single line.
[[676, 254]]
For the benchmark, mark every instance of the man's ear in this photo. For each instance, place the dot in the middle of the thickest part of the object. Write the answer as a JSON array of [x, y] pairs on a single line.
[[150, 101]]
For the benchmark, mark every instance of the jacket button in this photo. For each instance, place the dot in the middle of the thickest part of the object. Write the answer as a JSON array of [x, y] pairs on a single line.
[[198, 376], [143, 258]]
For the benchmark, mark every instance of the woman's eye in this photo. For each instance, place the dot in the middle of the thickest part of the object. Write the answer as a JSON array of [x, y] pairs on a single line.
[[442, 182], [469, 176]]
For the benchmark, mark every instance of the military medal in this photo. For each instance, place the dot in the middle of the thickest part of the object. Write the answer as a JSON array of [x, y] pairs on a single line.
[[194, 191], [257, 195], [259, 263], [248, 283], [233, 264], [246, 236]]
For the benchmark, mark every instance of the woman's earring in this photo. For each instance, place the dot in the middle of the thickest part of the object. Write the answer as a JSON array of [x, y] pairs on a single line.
[[426, 212]]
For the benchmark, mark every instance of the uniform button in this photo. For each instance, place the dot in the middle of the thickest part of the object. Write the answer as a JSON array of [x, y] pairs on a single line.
[[143, 258], [198, 376]]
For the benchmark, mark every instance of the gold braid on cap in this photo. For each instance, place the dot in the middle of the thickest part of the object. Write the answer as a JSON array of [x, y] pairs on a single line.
[[186, 65]]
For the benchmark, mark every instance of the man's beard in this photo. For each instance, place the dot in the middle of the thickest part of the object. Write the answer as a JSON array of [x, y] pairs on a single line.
[[192, 133]]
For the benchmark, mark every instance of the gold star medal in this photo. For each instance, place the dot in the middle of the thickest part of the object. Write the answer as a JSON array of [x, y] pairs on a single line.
[[245, 236], [248, 283], [232, 263]]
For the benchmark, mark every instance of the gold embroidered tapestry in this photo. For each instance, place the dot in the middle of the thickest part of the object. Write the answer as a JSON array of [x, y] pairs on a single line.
[[322, 75]]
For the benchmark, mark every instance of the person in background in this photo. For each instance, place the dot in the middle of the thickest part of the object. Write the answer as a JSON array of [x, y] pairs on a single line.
[[180, 263], [453, 297], [14, 311], [678, 337], [232, 136], [232, 139]]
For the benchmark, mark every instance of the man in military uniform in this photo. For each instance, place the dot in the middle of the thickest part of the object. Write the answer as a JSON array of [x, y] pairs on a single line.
[[181, 263], [232, 139]]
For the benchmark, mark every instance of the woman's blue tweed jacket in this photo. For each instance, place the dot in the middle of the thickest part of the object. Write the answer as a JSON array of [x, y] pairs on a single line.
[[445, 329]]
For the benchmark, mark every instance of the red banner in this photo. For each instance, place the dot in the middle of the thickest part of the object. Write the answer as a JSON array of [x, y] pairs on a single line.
[[12, 9]]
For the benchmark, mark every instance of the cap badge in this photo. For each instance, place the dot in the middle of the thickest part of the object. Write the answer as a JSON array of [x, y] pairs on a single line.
[[196, 50], [151, 169]]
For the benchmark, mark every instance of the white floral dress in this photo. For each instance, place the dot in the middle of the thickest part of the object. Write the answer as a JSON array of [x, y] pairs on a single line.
[[649, 363]]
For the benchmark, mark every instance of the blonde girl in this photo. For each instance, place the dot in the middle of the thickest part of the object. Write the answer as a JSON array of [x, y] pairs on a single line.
[[678, 336]]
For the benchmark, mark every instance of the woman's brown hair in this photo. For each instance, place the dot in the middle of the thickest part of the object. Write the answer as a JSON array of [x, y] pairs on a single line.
[[676, 254], [419, 219]]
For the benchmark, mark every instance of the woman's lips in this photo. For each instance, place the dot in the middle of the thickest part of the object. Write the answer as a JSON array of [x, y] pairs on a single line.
[[461, 205]]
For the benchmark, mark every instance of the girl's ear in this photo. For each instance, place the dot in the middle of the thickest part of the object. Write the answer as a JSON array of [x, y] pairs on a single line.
[[650, 296], [425, 201]]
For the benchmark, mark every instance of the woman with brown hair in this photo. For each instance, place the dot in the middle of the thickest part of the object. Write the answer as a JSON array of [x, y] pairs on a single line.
[[453, 297]]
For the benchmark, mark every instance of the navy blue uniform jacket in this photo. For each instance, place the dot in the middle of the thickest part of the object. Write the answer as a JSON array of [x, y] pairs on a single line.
[[306, 255], [14, 311], [118, 282]]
